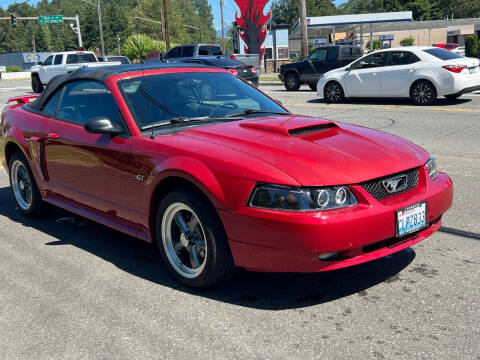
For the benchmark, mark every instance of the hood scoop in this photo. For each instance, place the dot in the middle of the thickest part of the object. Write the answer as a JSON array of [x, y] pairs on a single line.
[[290, 126], [311, 129]]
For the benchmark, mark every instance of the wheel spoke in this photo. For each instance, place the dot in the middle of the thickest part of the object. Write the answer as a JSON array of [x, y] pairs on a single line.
[[178, 247], [194, 257], [199, 242], [180, 221]]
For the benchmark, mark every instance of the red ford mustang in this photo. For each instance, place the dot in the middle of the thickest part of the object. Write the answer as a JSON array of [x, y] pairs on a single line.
[[217, 173]]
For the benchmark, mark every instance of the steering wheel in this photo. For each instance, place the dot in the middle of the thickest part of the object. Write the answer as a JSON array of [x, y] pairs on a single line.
[[228, 105]]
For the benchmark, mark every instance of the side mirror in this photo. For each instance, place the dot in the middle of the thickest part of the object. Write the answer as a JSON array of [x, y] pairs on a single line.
[[348, 68], [40, 63], [102, 125]]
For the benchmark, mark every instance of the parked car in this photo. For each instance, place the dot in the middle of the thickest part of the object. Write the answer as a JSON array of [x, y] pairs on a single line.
[[245, 72], [446, 46], [216, 173], [192, 50], [320, 61], [62, 63], [114, 58], [420, 73], [178, 53], [459, 50]]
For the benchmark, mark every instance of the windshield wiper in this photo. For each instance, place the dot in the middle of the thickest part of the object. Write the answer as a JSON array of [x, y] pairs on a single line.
[[253, 111], [174, 121], [183, 120]]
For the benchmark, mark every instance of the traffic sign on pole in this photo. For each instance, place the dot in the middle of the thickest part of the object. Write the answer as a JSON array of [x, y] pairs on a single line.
[[50, 19]]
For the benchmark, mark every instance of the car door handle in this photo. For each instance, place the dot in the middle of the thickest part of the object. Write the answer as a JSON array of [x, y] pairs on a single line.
[[53, 136]]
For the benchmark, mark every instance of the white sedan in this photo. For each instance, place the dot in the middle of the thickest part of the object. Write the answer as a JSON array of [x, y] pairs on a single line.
[[416, 72]]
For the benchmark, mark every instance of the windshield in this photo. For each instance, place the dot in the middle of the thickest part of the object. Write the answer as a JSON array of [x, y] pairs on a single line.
[[443, 54], [161, 98]]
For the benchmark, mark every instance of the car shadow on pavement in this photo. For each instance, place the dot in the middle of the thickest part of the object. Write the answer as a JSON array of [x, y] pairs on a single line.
[[393, 102], [254, 290]]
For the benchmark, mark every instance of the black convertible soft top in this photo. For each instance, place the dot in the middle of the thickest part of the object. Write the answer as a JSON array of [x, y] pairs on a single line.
[[99, 74]]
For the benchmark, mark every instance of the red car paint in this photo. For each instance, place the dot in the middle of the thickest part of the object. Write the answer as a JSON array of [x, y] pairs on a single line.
[[96, 176], [446, 46]]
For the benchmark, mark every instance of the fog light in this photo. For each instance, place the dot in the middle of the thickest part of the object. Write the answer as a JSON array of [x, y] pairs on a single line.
[[327, 256]]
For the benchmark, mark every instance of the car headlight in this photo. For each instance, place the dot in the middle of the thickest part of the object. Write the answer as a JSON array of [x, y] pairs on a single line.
[[431, 166], [301, 199]]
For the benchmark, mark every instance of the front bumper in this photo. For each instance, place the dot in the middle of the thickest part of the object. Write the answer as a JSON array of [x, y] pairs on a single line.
[[275, 241]]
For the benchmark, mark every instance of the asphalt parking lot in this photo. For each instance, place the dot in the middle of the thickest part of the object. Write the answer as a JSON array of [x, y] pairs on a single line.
[[70, 288]]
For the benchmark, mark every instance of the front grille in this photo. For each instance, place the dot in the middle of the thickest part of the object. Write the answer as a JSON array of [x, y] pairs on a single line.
[[377, 190]]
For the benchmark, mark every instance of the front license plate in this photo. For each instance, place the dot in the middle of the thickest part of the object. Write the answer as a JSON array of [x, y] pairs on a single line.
[[412, 218]]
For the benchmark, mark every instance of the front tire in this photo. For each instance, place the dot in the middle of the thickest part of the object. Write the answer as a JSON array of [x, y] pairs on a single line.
[[37, 85], [23, 186], [292, 82], [333, 93], [191, 240], [423, 93]]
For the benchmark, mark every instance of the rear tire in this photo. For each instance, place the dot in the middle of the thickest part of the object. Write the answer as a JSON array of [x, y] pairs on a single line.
[[333, 93], [423, 93], [292, 82], [36, 84], [23, 186], [191, 240], [313, 86]]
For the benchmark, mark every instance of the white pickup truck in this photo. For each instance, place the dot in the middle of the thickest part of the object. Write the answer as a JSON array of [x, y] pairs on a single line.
[[63, 63]]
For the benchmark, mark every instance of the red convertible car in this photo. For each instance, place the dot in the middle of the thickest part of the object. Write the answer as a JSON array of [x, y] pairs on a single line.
[[218, 174]]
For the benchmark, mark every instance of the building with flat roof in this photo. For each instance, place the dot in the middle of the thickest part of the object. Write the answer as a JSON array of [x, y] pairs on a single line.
[[390, 28]]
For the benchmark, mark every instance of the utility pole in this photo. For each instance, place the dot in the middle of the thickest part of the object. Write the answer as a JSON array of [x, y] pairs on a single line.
[[167, 32], [222, 3], [118, 43], [100, 27], [303, 27], [163, 25]]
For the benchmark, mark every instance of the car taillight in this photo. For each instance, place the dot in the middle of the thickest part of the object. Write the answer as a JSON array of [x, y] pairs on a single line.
[[454, 68], [232, 57], [233, 71], [254, 69]]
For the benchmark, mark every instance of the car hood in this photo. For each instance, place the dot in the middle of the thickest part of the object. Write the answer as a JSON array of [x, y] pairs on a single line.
[[316, 151]]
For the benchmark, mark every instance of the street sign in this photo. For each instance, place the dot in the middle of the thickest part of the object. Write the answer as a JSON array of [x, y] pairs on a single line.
[[50, 19], [388, 37]]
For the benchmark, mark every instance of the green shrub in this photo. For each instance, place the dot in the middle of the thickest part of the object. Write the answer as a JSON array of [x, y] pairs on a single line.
[[377, 44], [409, 41], [471, 46], [14, 68]]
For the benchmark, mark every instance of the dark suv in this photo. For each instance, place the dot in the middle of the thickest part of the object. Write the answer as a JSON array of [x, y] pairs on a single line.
[[321, 60]]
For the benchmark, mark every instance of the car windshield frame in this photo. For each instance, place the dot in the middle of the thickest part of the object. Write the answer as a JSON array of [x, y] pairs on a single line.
[[149, 106]]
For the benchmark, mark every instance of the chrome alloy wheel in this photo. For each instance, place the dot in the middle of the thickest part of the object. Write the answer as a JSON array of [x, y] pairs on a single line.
[[422, 93], [184, 240], [333, 92], [21, 185]]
